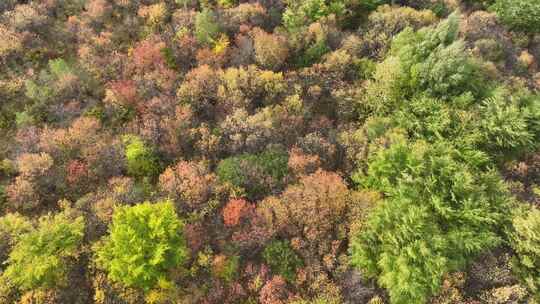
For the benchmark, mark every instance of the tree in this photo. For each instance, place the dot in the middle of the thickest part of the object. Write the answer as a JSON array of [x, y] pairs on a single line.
[[10, 42], [34, 165], [141, 159], [274, 291], [301, 13], [122, 93], [271, 51], [386, 22], [98, 10], [155, 14], [525, 240], [272, 125], [188, 183], [148, 55], [440, 211], [519, 14], [257, 174], [431, 61], [12, 227], [206, 27], [233, 19], [22, 194], [282, 259], [301, 163], [145, 241], [199, 90], [235, 211], [225, 268], [40, 257], [502, 125], [34, 182], [319, 300], [508, 122], [313, 207], [27, 17], [313, 214]]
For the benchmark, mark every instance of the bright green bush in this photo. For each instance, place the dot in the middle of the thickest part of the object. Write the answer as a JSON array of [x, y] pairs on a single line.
[[526, 243], [439, 213], [38, 260], [282, 259], [519, 14], [141, 159], [144, 243]]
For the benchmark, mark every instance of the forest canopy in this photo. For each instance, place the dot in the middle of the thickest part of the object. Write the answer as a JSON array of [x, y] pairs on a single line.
[[270, 151]]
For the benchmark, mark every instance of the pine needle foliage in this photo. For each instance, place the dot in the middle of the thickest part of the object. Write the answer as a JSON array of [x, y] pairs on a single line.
[[440, 212], [526, 243], [38, 260], [145, 242]]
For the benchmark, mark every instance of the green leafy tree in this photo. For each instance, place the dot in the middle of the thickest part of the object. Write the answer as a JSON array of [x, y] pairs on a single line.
[[258, 174], [12, 227], [431, 61], [206, 27], [141, 159], [502, 125], [519, 14], [59, 67], [41, 91], [39, 258], [313, 53], [145, 242], [441, 209], [282, 259], [301, 13], [509, 123], [525, 241]]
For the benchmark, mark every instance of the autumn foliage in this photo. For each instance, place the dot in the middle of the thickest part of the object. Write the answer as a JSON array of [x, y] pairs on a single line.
[[269, 151]]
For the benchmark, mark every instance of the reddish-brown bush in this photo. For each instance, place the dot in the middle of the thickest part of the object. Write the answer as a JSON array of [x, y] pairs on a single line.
[[274, 291], [147, 54], [76, 170], [190, 184], [301, 163], [122, 92], [235, 211]]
